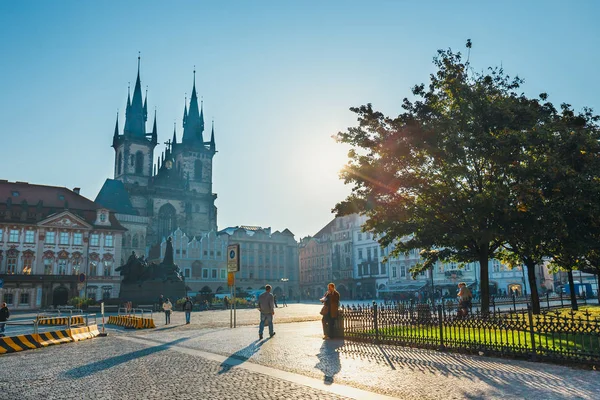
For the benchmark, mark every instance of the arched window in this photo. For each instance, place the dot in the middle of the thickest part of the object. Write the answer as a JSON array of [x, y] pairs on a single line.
[[167, 221], [134, 241], [198, 170], [119, 163], [139, 162]]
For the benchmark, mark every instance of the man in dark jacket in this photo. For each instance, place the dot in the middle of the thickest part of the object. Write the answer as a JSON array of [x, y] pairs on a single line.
[[331, 299], [187, 307], [4, 315]]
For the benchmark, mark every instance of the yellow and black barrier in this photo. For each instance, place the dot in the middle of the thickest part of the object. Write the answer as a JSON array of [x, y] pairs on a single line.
[[60, 320], [94, 330], [18, 343], [128, 321], [78, 334], [54, 337]]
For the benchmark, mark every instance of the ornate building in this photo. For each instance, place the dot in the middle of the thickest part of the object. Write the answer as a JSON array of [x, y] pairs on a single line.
[[153, 200], [48, 237]]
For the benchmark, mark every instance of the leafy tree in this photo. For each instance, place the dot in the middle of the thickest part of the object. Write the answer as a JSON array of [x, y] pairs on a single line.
[[440, 172]]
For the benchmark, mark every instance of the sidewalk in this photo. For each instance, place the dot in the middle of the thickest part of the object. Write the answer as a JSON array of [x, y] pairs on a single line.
[[401, 372]]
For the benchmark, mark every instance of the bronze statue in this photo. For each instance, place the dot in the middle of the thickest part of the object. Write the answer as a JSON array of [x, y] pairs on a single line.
[[137, 270]]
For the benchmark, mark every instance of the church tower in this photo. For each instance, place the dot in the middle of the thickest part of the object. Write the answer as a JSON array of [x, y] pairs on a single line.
[[134, 149]]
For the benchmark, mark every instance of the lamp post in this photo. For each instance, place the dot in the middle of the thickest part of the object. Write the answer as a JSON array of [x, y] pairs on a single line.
[[284, 280]]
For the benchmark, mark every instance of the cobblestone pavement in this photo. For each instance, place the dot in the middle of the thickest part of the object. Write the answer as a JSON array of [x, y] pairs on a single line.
[[206, 359]]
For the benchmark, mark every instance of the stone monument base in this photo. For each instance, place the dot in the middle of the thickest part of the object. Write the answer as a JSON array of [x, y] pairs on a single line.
[[148, 292]]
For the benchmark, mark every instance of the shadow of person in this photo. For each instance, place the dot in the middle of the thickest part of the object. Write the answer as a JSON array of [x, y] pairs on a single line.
[[329, 359], [240, 356]]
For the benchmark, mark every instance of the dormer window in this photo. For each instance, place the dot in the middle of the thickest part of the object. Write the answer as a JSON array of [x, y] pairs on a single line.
[[102, 217], [15, 194]]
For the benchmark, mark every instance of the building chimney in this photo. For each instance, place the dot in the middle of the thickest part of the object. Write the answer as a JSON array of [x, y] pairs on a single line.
[[76, 190]]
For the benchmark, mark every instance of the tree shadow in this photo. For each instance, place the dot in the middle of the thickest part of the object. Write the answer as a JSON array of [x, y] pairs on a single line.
[[98, 366], [504, 376], [241, 355], [329, 359]]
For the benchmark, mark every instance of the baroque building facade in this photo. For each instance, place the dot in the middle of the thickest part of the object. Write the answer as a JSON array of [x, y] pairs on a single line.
[[49, 236], [152, 199]]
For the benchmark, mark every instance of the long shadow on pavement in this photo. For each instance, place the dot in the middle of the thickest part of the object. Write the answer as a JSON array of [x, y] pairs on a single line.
[[241, 355], [329, 359], [503, 375], [98, 366]]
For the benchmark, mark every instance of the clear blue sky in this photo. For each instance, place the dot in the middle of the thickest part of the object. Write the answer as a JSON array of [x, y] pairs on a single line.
[[278, 77]]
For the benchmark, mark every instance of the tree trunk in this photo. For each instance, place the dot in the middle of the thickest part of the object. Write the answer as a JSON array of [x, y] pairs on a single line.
[[485, 282], [535, 297], [574, 306]]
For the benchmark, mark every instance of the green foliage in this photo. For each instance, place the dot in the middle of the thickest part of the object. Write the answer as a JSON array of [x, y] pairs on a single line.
[[81, 301], [473, 169]]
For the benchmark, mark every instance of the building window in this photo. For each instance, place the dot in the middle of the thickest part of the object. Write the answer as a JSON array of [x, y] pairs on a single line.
[[106, 292], [187, 273], [198, 170], [223, 274], [48, 266], [76, 266], [11, 265], [27, 263], [360, 254], [134, 241], [50, 237], [64, 238], [108, 268], [94, 239], [359, 236], [108, 241], [93, 269], [204, 273], [369, 254], [213, 274], [139, 162], [8, 298], [383, 269], [394, 272], [167, 221], [119, 163], [91, 292], [62, 266], [0, 235], [403, 271], [24, 298], [77, 239], [29, 236], [14, 236]]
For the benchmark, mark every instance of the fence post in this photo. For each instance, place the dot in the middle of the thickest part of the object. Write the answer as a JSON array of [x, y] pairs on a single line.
[[441, 326], [562, 304], [35, 326], [375, 322], [514, 298], [87, 319], [548, 300], [531, 333]]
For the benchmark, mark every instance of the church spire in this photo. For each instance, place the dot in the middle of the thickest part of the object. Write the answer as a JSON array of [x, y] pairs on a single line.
[[213, 146], [116, 134], [174, 133], [135, 119], [146, 105], [185, 112], [154, 130], [194, 121]]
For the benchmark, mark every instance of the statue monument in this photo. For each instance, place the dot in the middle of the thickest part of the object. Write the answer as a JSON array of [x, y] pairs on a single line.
[[143, 283]]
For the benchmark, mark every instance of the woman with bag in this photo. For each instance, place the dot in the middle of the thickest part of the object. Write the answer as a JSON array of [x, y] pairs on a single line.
[[329, 311], [167, 307]]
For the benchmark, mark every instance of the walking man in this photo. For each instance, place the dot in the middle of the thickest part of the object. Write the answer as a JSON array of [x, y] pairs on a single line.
[[331, 300], [167, 307], [266, 306], [187, 307], [4, 314]]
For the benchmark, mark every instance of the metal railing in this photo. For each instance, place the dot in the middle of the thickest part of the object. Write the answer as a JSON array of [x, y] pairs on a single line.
[[136, 312], [552, 335], [31, 326]]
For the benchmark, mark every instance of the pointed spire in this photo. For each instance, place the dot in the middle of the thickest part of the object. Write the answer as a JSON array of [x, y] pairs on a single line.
[[154, 130], [146, 105], [174, 133], [128, 95], [194, 122], [202, 116], [213, 146], [135, 122], [185, 112], [116, 134]]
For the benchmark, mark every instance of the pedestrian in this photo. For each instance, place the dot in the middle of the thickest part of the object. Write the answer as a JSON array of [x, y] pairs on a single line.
[[161, 301], [187, 307], [331, 304], [4, 315], [167, 307], [283, 302], [226, 302], [275, 300], [266, 306], [464, 299]]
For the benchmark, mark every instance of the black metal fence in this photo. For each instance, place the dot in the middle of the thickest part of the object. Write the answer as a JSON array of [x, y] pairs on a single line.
[[551, 336]]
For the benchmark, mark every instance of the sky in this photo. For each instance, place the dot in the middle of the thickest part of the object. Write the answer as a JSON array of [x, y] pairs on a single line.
[[277, 77]]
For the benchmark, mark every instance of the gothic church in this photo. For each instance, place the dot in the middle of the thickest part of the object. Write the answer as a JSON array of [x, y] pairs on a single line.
[[154, 199]]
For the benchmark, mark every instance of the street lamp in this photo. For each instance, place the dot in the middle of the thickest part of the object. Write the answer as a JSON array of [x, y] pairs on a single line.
[[284, 280]]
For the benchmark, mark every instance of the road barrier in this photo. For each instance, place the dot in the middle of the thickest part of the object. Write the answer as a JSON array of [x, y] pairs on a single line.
[[46, 339], [76, 320], [130, 321], [18, 343]]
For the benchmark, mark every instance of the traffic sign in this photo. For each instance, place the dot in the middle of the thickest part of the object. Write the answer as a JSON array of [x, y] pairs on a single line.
[[82, 277], [230, 278], [1, 282], [233, 258]]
